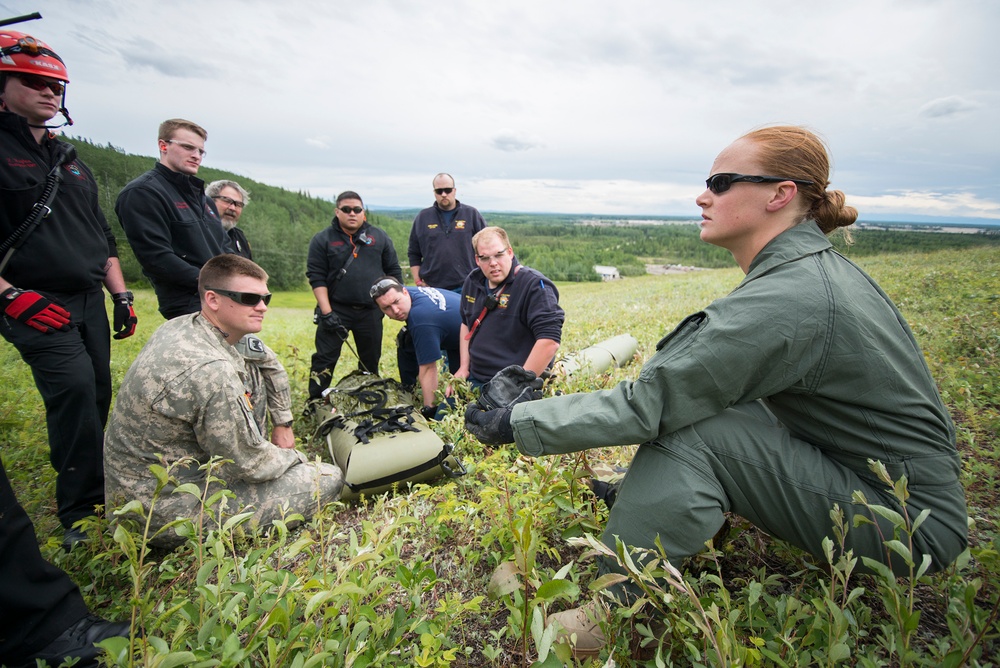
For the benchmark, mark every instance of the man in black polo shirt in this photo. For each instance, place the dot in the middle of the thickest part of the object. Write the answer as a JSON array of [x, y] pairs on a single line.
[[344, 261]]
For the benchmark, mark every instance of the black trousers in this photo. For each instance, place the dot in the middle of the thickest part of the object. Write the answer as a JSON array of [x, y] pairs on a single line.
[[406, 359], [365, 324], [37, 600], [72, 371]]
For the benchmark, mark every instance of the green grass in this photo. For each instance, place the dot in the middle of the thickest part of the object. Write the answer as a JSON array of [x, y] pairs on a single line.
[[403, 580]]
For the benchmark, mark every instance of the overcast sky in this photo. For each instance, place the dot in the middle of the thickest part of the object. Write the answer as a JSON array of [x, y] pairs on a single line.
[[576, 106]]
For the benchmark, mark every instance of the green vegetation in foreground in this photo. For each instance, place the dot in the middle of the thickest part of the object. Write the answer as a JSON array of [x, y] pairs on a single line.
[[405, 580]]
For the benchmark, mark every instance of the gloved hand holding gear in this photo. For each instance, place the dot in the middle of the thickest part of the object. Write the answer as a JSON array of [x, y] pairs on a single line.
[[490, 427], [34, 310], [124, 315], [511, 385], [331, 322]]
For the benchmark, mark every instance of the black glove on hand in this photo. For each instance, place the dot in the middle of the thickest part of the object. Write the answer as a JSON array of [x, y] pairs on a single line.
[[429, 412], [124, 315], [511, 385], [34, 310], [331, 322], [490, 427]]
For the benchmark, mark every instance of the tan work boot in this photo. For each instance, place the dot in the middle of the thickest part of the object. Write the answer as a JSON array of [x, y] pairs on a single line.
[[584, 623]]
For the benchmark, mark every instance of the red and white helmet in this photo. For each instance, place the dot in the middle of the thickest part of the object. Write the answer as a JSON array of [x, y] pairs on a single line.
[[23, 53]]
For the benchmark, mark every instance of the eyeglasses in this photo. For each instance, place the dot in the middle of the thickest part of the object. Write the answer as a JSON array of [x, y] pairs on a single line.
[[351, 209], [190, 148], [720, 183], [485, 259], [383, 286], [230, 201], [35, 82], [443, 191], [245, 298]]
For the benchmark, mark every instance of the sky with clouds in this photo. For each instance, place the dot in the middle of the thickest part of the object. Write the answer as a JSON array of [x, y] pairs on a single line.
[[576, 106]]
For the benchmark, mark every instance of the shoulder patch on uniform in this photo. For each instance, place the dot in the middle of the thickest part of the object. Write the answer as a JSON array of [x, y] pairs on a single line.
[[254, 344]]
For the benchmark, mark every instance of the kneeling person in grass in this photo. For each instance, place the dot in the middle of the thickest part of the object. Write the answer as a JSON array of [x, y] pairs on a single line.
[[189, 396]]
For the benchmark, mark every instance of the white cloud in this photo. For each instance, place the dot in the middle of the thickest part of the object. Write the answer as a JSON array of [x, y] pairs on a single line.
[[928, 203], [542, 105], [952, 105]]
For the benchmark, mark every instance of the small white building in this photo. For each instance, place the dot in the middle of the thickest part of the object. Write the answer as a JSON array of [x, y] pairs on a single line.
[[607, 273]]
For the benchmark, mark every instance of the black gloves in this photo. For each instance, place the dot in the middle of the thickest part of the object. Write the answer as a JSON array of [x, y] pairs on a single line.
[[511, 385], [124, 315], [34, 310], [429, 412], [490, 427], [489, 418], [331, 322]]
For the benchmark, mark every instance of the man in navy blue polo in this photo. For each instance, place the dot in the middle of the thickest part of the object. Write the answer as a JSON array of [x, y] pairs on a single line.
[[432, 322], [510, 313]]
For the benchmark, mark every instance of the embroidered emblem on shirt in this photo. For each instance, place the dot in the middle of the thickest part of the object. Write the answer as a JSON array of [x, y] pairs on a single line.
[[459, 224], [504, 299]]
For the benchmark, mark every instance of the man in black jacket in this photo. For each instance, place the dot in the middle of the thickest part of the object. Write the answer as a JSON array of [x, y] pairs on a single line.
[[172, 226], [440, 247], [51, 274], [230, 199], [344, 261]]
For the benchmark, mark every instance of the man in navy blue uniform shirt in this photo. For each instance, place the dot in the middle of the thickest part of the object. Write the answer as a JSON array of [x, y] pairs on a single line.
[[440, 247], [510, 313], [432, 322]]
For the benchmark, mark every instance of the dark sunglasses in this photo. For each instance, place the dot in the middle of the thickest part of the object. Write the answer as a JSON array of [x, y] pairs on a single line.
[[383, 286], [720, 183], [443, 191], [351, 209], [38, 83], [245, 298]]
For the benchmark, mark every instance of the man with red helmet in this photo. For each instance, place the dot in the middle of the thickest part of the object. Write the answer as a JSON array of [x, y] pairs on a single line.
[[51, 273], [52, 310]]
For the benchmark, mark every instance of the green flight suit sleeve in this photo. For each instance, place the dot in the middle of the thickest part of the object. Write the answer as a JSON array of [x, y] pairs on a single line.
[[753, 343]]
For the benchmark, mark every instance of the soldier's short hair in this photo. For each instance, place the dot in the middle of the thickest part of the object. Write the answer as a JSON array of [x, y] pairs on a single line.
[[218, 271]]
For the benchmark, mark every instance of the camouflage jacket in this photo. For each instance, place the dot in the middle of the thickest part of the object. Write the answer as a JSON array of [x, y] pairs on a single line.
[[187, 394]]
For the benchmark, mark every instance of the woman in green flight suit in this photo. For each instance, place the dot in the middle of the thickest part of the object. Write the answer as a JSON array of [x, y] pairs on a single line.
[[769, 402]]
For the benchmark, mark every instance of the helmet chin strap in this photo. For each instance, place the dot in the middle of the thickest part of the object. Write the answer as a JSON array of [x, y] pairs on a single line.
[[68, 121]]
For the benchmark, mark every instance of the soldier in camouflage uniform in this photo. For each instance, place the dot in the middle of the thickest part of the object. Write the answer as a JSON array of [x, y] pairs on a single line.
[[189, 396]]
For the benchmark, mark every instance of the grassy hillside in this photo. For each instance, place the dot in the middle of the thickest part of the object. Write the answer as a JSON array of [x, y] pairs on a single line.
[[403, 580]]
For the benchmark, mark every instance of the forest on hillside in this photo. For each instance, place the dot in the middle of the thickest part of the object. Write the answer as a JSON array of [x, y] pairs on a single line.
[[279, 224]]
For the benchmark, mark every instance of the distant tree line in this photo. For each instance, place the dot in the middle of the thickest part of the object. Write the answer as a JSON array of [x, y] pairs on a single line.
[[279, 224]]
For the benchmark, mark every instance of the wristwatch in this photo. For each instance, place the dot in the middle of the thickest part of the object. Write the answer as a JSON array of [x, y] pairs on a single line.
[[123, 296], [285, 424]]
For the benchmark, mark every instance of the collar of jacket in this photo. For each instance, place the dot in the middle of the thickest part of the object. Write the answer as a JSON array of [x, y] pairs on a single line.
[[793, 244], [179, 179], [440, 210], [335, 224]]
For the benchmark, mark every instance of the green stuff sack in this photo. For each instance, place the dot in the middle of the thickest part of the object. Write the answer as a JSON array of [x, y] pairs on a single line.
[[378, 440]]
